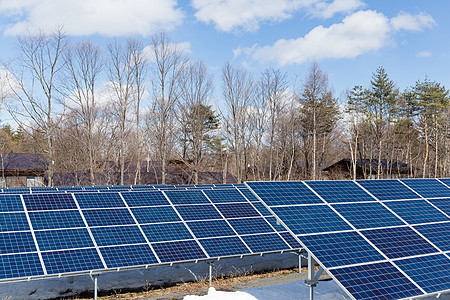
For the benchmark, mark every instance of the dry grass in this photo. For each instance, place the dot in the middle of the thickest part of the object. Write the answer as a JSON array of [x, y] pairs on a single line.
[[199, 287]]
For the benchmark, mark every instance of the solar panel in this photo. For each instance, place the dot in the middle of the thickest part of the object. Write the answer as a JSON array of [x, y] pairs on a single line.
[[10, 203], [225, 196], [99, 200], [147, 215], [428, 188], [214, 228], [228, 246], [117, 235], [166, 232], [63, 239], [251, 225], [130, 255], [49, 202], [13, 222], [66, 261], [148, 198], [375, 248], [20, 265], [179, 251], [186, 197], [265, 242]]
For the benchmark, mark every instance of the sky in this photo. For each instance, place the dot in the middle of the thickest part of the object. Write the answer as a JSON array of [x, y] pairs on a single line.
[[348, 38]]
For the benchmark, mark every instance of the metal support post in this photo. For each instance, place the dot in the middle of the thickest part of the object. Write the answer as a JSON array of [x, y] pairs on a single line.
[[94, 277], [312, 280], [299, 263], [210, 273]]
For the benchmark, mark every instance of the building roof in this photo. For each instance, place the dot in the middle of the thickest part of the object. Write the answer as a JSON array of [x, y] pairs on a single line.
[[386, 165], [22, 161]]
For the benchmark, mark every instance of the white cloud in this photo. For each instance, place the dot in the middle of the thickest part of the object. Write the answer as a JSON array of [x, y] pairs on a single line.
[[357, 34], [228, 15], [183, 48], [405, 21], [424, 54], [85, 17]]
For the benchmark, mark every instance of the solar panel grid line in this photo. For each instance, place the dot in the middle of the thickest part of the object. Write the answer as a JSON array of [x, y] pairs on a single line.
[[184, 222], [34, 236], [140, 227], [261, 215], [80, 211], [223, 217]]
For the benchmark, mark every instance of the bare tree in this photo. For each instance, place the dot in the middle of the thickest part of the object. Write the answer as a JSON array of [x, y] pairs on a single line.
[[34, 86], [84, 64], [168, 64], [238, 91]]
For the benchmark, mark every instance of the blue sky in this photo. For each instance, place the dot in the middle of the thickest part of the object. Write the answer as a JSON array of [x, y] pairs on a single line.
[[349, 38]]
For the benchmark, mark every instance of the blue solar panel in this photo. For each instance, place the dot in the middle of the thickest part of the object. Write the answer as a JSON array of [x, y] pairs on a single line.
[[428, 188], [117, 235], [251, 226], [63, 239], [399, 242], [291, 240], [442, 204], [377, 281], [284, 193], [225, 196], [262, 209], [16, 242], [187, 197], [275, 224], [311, 219], [265, 242], [125, 256], [417, 211], [148, 198], [388, 189], [71, 260], [248, 194], [225, 246], [437, 233], [368, 215], [56, 219], [108, 217], [178, 251], [206, 229], [99, 200], [20, 265], [13, 222], [146, 215], [237, 210], [341, 248], [166, 232], [10, 203], [49, 202], [430, 272], [339, 191], [198, 212]]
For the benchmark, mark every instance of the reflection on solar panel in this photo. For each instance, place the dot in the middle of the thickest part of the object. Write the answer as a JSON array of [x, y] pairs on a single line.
[[97, 228], [380, 239]]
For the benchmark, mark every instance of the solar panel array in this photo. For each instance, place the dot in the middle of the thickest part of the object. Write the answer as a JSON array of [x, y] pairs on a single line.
[[379, 239], [56, 234]]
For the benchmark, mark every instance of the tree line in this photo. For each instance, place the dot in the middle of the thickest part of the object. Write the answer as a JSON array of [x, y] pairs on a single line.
[[83, 106]]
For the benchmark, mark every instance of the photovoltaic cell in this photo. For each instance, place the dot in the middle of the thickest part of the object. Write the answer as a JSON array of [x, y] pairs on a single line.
[[71, 260], [225, 196], [10, 203], [117, 235], [16, 242], [186, 197], [388, 189], [339, 191], [225, 246], [166, 232], [145, 215], [63, 239], [198, 212], [341, 248], [428, 188], [99, 200], [265, 242], [437, 233], [399, 242], [20, 265], [56, 219], [442, 204], [237, 210], [49, 202], [108, 217], [262, 209], [284, 193], [178, 251], [417, 211], [13, 222], [125, 256], [378, 281], [311, 219], [430, 272], [291, 240], [250, 225], [148, 198], [368, 215], [206, 229]]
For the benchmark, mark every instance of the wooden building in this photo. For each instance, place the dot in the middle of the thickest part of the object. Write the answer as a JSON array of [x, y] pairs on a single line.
[[22, 169]]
